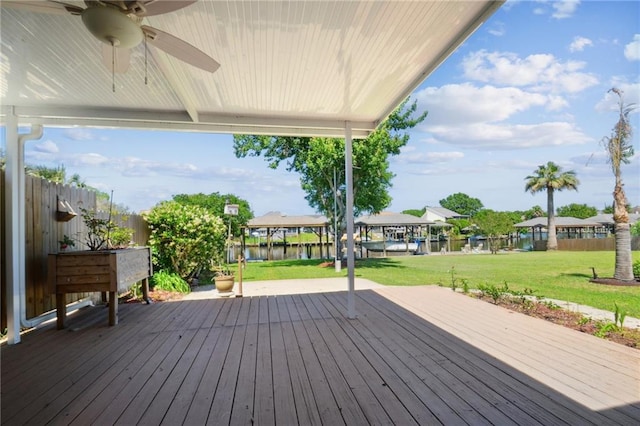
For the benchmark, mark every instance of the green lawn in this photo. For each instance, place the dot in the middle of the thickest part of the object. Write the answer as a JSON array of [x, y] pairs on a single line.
[[559, 275]]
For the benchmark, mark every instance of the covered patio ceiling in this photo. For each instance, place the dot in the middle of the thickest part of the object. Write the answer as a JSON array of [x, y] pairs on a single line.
[[287, 67]]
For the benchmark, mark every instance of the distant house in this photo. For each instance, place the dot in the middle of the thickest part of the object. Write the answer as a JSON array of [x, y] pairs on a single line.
[[440, 214]]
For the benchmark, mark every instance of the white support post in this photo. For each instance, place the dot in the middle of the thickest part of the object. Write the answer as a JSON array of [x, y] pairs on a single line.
[[348, 147], [14, 220]]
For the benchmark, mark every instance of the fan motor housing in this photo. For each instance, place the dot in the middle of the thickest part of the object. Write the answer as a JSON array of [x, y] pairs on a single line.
[[111, 26]]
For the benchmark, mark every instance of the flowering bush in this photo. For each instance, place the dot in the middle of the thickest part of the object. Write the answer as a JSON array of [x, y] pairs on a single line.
[[183, 238]]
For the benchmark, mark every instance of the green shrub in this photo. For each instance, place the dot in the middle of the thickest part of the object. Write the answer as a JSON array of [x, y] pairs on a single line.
[[184, 238], [636, 269], [169, 281]]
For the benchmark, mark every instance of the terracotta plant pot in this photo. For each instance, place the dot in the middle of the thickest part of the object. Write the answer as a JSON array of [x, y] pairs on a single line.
[[224, 283]]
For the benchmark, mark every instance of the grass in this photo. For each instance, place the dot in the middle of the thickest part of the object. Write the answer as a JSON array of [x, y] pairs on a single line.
[[557, 275]]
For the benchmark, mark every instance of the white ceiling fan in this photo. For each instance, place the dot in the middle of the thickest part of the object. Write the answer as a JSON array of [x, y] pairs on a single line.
[[118, 24]]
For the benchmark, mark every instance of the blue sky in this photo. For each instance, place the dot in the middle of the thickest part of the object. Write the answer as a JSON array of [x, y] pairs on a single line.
[[530, 86]]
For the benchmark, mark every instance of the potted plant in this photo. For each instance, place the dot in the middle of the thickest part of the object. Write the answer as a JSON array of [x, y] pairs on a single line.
[[223, 277], [66, 242]]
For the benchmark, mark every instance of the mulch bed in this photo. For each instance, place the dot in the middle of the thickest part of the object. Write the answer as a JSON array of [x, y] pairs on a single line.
[[574, 320], [613, 281]]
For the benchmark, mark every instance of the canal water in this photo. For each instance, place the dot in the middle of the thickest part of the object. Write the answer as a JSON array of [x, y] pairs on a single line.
[[317, 251]]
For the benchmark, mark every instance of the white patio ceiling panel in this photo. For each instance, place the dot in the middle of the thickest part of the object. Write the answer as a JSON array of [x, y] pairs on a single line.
[[287, 67]]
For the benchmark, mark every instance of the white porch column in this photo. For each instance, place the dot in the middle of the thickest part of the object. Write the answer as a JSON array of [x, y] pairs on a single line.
[[15, 241], [14, 219], [348, 168]]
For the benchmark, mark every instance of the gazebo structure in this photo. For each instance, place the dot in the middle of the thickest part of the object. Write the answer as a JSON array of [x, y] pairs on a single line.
[[566, 227], [275, 222], [607, 223]]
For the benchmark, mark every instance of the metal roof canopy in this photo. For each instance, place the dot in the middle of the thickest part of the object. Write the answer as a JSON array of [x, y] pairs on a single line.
[[323, 68], [279, 220], [561, 222]]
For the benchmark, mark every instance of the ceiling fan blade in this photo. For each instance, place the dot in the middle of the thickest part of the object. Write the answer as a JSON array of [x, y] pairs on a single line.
[[158, 7], [180, 49], [50, 7], [115, 59]]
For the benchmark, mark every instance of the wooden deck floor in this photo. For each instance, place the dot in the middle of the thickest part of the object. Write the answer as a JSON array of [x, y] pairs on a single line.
[[420, 355]]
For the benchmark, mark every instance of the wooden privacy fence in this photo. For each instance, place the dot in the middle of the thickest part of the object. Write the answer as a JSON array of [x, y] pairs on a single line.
[[44, 231], [586, 244]]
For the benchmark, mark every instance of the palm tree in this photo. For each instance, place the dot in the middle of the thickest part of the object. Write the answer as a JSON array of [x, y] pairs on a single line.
[[620, 151], [550, 178]]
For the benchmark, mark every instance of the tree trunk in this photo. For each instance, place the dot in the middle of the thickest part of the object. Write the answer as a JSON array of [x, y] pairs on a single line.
[[552, 240], [624, 268], [624, 263]]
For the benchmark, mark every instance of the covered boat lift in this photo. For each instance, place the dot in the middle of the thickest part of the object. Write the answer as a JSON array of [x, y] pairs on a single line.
[[275, 221]]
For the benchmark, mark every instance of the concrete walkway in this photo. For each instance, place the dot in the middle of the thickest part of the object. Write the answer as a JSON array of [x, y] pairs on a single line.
[[322, 285], [279, 287]]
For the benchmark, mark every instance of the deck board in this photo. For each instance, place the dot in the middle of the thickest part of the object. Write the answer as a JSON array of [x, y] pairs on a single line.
[[422, 355]]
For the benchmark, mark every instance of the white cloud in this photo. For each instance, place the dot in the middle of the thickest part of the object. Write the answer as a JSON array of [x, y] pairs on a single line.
[[47, 146], [632, 50], [497, 29], [413, 157], [90, 159], [78, 134], [510, 136], [564, 9], [541, 72], [466, 103], [579, 43]]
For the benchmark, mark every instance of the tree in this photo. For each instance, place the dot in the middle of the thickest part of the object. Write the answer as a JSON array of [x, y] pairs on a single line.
[[581, 211], [550, 178], [318, 160], [494, 225], [53, 174], [620, 151], [462, 204], [533, 212], [415, 212], [214, 203]]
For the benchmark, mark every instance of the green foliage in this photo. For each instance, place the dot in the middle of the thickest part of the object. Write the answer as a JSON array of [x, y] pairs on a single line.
[[67, 241], [581, 211], [608, 208], [53, 174], [185, 239], [619, 316], [533, 212], [550, 178], [215, 202], [316, 160], [604, 327], [462, 204], [493, 291], [169, 281], [458, 225], [103, 234], [494, 225], [415, 212], [636, 268]]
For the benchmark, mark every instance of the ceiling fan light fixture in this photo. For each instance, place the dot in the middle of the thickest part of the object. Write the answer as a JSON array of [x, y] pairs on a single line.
[[112, 27]]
